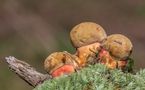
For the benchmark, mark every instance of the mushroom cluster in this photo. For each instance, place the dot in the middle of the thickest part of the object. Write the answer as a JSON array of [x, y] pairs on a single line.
[[92, 46]]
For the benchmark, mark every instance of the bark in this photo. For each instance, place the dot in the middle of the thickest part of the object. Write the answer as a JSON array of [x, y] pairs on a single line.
[[26, 71]]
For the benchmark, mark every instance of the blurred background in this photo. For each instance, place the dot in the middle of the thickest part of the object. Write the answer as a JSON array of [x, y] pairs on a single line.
[[32, 29]]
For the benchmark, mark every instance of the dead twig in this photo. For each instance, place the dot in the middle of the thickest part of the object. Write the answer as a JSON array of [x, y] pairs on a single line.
[[26, 71]]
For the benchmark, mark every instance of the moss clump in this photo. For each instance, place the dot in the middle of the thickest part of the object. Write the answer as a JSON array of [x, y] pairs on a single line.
[[97, 77]]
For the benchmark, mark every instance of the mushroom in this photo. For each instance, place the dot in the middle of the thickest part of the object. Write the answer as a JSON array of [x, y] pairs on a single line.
[[118, 45], [60, 63], [115, 51], [86, 38]]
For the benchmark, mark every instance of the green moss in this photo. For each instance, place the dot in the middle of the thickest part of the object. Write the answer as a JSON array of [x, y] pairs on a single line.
[[96, 77]]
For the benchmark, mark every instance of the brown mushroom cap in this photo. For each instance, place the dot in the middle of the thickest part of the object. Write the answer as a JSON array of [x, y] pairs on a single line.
[[58, 59], [53, 60], [87, 33], [118, 45]]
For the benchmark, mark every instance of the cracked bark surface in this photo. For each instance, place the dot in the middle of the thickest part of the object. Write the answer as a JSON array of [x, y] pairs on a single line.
[[26, 71]]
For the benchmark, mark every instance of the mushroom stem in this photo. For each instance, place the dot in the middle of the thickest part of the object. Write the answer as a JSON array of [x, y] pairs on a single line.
[[87, 54], [26, 71]]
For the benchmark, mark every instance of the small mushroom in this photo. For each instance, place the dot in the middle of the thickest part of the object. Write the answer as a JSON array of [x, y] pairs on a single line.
[[60, 63], [86, 37], [118, 45], [115, 51]]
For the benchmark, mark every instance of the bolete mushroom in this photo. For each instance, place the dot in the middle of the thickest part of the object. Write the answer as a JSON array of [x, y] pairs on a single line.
[[118, 45], [86, 38], [60, 63], [115, 51]]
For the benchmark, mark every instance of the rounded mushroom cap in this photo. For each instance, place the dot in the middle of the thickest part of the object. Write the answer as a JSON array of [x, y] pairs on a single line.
[[118, 45], [53, 60], [87, 33], [58, 59]]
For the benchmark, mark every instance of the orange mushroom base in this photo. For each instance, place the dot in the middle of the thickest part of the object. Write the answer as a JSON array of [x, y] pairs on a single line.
[[63, 70], [106, 59]]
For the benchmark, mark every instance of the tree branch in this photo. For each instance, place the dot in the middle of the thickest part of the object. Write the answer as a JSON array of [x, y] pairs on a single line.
[[26, 71]]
